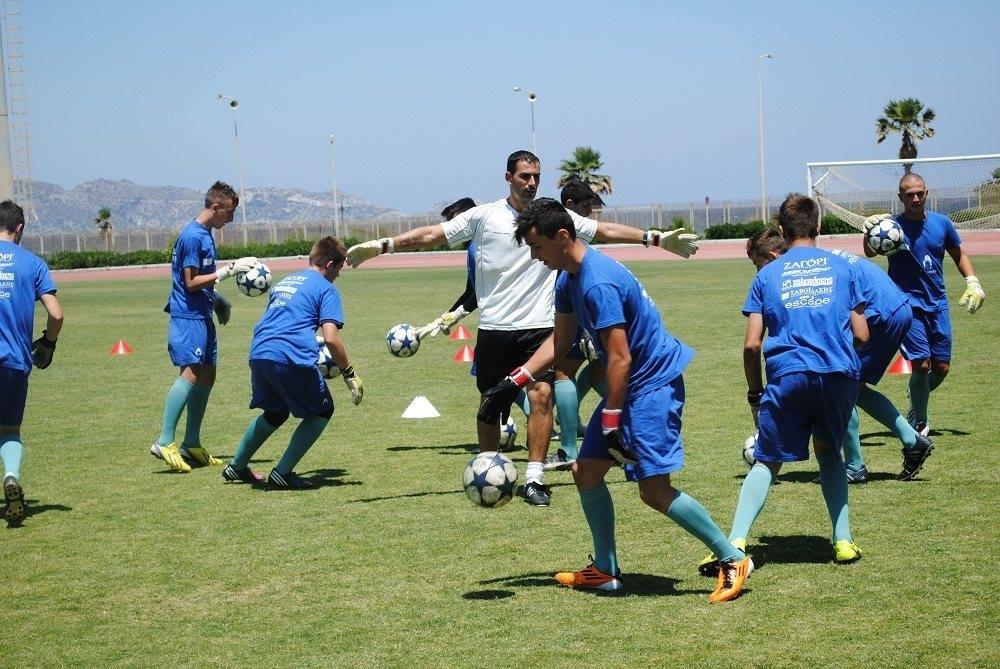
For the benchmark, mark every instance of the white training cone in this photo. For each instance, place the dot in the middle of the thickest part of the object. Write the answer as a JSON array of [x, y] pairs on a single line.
[[420, 407]]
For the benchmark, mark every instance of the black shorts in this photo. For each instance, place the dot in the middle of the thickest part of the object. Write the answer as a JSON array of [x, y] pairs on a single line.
[[498, 352]]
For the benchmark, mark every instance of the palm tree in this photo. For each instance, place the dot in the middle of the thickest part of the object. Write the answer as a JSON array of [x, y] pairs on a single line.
[[583, 165], [909, 117], [104, 225]]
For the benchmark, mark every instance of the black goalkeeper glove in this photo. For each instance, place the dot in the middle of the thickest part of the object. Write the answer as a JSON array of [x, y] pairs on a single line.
[[497, 400], [42, 350]]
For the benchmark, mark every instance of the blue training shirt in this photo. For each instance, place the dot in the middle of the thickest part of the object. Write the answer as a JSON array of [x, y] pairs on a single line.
[[24, 278], [604, 293], [805, 298], [296, 307], [919, 270], [195, 247], [470, 263], [881, 295]]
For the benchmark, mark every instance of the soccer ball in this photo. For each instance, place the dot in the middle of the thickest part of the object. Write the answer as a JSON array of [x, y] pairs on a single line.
[[748, 447], [885, 238], [402, 340], [508, 435], [327, 367], [255, 282], [490, 480]]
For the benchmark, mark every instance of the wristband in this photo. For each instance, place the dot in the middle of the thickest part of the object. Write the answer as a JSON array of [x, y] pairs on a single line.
[[521, 377], [753, 396], [348, 372], [610, 419]]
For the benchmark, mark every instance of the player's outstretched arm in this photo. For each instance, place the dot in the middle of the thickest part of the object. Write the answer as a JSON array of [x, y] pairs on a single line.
[[443, 323], [428, 235], [752, 344], [681, 242], [44, 347], [974, 295], [334, 342]]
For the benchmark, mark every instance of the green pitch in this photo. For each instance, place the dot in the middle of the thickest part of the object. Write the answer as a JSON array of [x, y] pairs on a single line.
[[387, 564]]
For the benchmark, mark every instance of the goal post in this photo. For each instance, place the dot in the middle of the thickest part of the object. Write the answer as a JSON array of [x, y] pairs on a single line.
[[964, 188]]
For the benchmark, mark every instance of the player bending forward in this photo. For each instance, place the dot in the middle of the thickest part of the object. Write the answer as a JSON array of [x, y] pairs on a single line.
[[283, 372], [639, 422]]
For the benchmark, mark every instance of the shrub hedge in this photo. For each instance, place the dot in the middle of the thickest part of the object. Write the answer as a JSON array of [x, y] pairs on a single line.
[[832, 225]]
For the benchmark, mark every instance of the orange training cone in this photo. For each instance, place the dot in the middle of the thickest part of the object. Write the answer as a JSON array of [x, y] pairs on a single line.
[[461, 332], [901, 366], [465, 354], [121, 348]]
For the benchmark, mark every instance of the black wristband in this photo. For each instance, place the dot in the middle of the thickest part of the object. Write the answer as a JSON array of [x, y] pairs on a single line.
[[753, 396], [348, 372]]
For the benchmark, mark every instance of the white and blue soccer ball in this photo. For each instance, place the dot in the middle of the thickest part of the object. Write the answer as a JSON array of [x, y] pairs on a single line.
[[402, 340], [490, 479], [748, 448], [508, 435], [325, 364], [254, 282], [886, 237]]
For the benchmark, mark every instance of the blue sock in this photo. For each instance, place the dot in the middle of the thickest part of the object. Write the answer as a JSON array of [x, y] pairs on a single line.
[[833, 481], [600, 513], [197, 402], [522, 401], [568, 407], [919, 393], [852, 444], [687, 512], [753, 494], [11, 450], [881, 408], [177, 398], [303, 438], [256, 434]]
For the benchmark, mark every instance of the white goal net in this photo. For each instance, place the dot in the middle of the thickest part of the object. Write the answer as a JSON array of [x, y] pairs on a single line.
[[964, 188]]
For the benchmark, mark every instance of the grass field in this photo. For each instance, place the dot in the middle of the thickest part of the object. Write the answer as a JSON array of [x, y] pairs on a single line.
[[387, 564]]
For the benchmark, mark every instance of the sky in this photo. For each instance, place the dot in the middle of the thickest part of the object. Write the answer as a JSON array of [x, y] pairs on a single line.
[[419, 94]]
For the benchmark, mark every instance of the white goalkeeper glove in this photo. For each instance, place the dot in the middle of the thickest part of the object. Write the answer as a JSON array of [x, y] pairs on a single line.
[[223, 308], [684, 244], [753, 399], [443, 323], [353, 382], [242, 265], [973, 297], [872, 221], [359, 253], [588, 348]]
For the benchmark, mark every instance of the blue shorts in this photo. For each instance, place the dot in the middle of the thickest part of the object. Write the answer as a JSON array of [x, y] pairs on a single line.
[[651, 425], [929, 336], [800, 405], [886, 336], [15, 393], [191, 341], [301, 391]]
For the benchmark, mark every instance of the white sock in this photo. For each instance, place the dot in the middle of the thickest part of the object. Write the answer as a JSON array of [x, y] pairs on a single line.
[[534, 472]]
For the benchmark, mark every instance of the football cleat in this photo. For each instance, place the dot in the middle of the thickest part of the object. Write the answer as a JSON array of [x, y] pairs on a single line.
[[590, 577], [199, 456], [923, 427], [558, 461], [914, 458], [170, 455], [289, 481], [537, 494], [858, 477], [14, 496], [732, 576], [246, 475], [710, 565], [846, 552]]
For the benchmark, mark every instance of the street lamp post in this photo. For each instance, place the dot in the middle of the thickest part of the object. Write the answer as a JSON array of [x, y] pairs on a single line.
[[234, 104], [764, 213], [531, 103], [336, 207]]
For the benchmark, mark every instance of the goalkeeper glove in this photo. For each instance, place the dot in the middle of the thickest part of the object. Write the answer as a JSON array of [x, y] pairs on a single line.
[[42, 350], [587, 347], [973, 297], [242, 265], [872, 221], [444, 323], [497, 400], [753, 399], [353, 382], [223, 309], [359, 253], [684, 244], [614, 441]]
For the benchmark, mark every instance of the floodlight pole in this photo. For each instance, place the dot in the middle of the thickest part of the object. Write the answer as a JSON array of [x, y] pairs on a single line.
[[764, 213], [234, 105], [336, 207], [531, 104]]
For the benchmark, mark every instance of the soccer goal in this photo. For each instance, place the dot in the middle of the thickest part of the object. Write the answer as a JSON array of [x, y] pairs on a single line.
[[965, 188]]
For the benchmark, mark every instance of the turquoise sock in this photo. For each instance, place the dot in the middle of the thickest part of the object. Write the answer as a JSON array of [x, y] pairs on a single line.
[[753, 494], [833, 481], [881, 408], [522, 401], [852, 444], [256, 434], [919, 393], [11, 451], [568, 407], [303, 438], [197, 402], [687, 512], [600, 513], [933, 381], [177, 398]]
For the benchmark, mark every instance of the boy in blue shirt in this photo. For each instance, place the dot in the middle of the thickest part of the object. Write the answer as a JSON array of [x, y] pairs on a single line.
[[918, 269], [24, 279], [283, 373], [191, 339], [809, 305], [639, 421]]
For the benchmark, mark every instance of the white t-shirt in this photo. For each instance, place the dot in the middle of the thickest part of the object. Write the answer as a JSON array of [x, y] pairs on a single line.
[[514, 292]]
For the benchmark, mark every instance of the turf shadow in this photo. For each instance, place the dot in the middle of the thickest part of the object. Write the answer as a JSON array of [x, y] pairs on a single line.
[[793, 549], [488, 594], [636, 585], [328, 477], [33, 508]]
